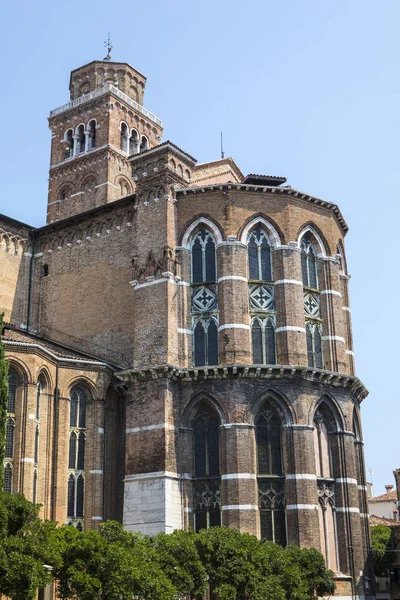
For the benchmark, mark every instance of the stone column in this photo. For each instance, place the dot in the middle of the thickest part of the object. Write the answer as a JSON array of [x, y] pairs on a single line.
[[233, 303], [239, 492], [184, 315], [333, 331], [94, 465], [348, 334], [60, 460], [289, 305], [301, 486]]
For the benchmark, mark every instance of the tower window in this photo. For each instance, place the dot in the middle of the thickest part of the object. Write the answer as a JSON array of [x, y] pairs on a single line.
[[81, 139], [92, 135], [206, 484], [271, 491], [69, 144], [203, 258], [308, 263], [314, 345], [259, 256], [134, 143], [45, 270], [205, 342], [263, 341], [144, 143], [124, 137]]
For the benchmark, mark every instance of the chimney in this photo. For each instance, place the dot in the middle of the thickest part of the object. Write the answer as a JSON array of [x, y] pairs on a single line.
[[396, 515], [389, 488]]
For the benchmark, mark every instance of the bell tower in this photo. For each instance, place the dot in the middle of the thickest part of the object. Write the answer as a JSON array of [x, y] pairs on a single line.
[[93, 135]]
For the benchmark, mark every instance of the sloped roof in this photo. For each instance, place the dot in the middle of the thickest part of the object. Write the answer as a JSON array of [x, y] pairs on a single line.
[[374, 520], [388, 497]]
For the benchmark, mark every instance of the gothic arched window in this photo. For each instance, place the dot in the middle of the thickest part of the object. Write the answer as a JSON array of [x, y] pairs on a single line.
[[323, 422], [69, 143], [309, 267], [271, 490], [12, 392], [263, 341], [76, 459], [203, 258], [144, 143], [205, 342], [10, 432], [314, 345], [206, 483], [8, 478], [124, 137], [134, 144], [259, 256]]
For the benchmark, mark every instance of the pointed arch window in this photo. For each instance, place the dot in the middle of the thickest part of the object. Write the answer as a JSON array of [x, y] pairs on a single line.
[[203, 258], [323, 422], [314, 345], [8, 478], [259, 256], [80, 139], [134, 144], [144, 143], [309, 267], [263, 341], [10, 433], [69, 143], [92, 135], [76, 458], [271, 482], [205, 342], [12, 392], [206, 483]]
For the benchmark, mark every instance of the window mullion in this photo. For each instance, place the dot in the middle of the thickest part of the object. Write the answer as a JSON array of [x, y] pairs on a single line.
[[263, 343], [259, 262], [203, 261]]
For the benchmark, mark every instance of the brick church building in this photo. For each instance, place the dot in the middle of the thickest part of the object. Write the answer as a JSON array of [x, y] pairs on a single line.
[[180, 343]]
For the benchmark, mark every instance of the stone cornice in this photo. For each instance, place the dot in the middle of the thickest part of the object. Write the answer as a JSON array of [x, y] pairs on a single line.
[[287, 191], [240, 371]]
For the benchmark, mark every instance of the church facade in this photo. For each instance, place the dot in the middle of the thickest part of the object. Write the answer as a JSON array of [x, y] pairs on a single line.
[[179, 339]]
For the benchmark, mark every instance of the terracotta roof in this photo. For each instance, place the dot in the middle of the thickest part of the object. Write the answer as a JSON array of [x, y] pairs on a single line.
[[374, 520], [17, 338], [388, 497], [132, 157]]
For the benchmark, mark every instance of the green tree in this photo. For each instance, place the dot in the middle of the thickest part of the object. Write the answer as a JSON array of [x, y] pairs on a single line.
[[383, 543], [240, 567], [115, 563], [27, 545], [3, 403]]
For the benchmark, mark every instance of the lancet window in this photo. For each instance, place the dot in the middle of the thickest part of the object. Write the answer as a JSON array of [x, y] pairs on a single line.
[[134, 142], [261, 297], [76, 457], [91, 133], [323, 421], [124, 137], [204, 299], [10, 431], [271, 481], [207, 480], [69, 143], [311, 296], [80, 139]]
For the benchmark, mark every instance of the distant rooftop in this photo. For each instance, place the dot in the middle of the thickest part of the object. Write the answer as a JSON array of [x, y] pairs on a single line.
[[273, 180], [388, 497]]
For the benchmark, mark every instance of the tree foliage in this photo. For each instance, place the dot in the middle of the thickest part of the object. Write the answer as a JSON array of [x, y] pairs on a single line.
[[383, 543], [27, 545], [3, 403]]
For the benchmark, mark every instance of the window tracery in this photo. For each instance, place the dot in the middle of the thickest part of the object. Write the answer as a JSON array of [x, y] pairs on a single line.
[[204, 299], [311, 297], [263, 340], [271, 483], [76, 456], [206, 481], [12, 381]]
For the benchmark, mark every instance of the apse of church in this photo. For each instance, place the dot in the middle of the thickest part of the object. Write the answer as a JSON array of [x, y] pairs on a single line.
[[179, 338]]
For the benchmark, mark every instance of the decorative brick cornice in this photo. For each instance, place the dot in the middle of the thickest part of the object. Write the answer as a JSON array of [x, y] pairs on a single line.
[[240, 371], [260, 189]]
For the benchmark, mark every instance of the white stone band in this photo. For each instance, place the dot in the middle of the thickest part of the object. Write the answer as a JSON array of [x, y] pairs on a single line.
[[150, 427], [239, 476], [157, 475], [234, 326], [232, 278], [302, 507], [185, 331], [28, 460], [290, 328], [292, 281], [240, 507], [97, 518], [349, 509], [331, 292], [333, 338], [97, 471], [346, 308], [351, 352], [346, 480]]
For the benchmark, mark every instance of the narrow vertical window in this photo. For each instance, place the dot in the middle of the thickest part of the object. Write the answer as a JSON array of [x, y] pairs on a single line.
[[271, 490], [8, 477], [36, 458], [81, 139], [12, 392], [309, 263], [10, 429], [206, 482], [69, 144], [314, 345], [144, 143], [259, 256], [76, 459], [92, 135], [263, 341], [204, 302], [34, 487], [124, 137]]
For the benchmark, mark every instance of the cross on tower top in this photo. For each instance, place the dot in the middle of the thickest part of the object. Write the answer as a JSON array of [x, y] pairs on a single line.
[[109, 47]]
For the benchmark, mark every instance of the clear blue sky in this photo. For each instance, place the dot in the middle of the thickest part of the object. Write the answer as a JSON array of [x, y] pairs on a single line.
[[307, 89]]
